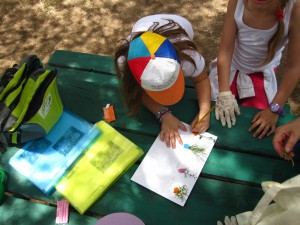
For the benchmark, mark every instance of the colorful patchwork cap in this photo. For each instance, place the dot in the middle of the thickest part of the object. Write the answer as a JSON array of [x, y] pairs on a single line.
[[155, 66]]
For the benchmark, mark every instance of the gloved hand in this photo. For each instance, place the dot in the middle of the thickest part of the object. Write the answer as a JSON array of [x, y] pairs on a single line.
[[228, 221], [226, 108]]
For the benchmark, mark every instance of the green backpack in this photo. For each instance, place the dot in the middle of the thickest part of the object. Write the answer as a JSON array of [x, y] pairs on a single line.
[[29, 102]]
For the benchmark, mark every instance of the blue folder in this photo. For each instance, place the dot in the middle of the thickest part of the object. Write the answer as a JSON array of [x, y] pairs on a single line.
[[45, 160]]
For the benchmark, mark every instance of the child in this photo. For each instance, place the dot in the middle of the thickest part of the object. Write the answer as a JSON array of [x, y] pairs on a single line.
[[151, 65], [254, 36]]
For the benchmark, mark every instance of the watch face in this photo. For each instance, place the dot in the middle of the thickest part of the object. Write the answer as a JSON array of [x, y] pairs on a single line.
[[274, 107]]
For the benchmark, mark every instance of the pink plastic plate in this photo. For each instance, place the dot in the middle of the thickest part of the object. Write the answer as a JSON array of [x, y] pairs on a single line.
[[120, 219]]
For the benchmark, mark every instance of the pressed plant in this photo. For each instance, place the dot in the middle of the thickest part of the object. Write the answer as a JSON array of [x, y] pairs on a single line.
[[197, 150], [287, 156], [181, 192], [186, 173]]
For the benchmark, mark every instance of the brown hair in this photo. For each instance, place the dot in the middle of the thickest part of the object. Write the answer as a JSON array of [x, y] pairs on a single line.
[[277, 37], [132, 92]]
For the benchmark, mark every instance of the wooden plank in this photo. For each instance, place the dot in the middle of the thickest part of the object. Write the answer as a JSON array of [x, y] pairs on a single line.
[[19, 211], [150, 207], [82, 61], [87, 62], [94, 91], [234, 166], [222, 164], [209, 201]]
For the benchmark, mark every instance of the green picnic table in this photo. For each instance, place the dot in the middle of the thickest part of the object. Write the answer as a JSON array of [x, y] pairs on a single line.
[[228, 184]]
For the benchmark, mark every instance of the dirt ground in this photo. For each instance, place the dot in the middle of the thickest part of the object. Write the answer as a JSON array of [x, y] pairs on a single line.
[[96, 26]]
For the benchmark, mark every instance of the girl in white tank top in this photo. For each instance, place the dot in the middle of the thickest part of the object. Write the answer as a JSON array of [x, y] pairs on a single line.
[[244, 71]]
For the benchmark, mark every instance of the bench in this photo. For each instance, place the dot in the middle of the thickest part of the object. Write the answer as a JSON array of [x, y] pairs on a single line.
[[228, 184]]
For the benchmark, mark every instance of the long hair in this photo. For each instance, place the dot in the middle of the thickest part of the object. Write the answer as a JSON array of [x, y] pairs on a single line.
[[274, 42], [132, 92]]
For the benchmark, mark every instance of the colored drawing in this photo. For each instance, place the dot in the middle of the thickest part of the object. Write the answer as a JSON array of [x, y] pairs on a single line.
[[181, 192], [172, 173], [186, 173], [197, 150]]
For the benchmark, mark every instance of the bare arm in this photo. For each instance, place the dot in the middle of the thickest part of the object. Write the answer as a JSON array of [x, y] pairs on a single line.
[[292, 72], [265, 119], [226, 47], [202, 87]]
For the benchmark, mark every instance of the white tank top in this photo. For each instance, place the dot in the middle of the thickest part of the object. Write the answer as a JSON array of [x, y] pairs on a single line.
[[250, 50], [251, 44]]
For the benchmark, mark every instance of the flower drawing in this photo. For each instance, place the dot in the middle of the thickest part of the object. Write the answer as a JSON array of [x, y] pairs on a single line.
[[181, 192], [208, 138], [186, 173], [198, 151]]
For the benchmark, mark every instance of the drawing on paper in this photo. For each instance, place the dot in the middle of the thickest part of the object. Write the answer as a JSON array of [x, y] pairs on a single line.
[[181, 192], [197, 150], [172, 173], [186, 173]]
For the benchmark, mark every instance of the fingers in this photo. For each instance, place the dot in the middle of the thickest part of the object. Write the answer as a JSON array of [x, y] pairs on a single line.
[[202, 127], [232, 117], [227, 118], [257, 115], [233, 220], [170, 138], [272, 130], [278, 143], [264, 124], [182, 127], [237, 109], [217, 113], [227, 220], [221, 116], [178, 138], [291, 141], [261, 131]]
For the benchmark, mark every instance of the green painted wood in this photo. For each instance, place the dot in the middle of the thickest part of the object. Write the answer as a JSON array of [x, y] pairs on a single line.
[[209, 201], [229, 180], [86, 93], [84, 61], [238, 137], [15, 211], [234, 166], [17, 183], [139, 201]]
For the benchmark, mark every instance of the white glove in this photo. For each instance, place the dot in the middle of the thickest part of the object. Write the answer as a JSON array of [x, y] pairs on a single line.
[[228, 221], [226, 108]]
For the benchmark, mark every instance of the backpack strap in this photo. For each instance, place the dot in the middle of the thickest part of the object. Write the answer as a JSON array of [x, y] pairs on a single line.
[[12, 83]]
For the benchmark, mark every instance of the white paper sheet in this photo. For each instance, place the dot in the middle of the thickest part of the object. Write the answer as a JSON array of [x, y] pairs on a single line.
[[172, 173]]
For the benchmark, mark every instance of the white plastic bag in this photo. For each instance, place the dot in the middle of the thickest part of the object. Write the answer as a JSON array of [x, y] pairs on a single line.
[[280, 205]]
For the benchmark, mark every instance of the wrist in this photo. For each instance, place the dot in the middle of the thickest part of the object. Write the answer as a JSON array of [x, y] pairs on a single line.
[[225, 93], [275, 108], [162, 113]]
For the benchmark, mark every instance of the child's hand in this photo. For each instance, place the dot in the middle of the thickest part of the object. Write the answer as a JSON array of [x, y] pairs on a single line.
[[264, 122], [226, 109], [169, 130], [203, 126], [285, 139]]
